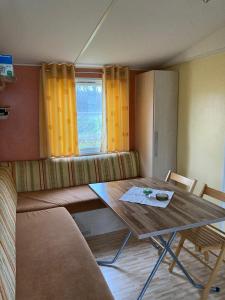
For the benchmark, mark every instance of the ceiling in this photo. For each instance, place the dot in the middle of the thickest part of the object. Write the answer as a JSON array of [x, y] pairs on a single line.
[[138, 33], [36, 31]]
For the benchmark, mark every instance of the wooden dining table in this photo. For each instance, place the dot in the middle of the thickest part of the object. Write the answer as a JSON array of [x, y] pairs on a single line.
[[185, 211]]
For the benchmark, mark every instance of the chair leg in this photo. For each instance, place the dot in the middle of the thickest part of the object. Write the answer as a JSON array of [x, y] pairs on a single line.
[[179, 247], [206, 256], [212, 277]]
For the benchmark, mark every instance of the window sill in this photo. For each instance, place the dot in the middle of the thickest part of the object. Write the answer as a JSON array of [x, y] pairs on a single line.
[[85, 153], [90, 151]]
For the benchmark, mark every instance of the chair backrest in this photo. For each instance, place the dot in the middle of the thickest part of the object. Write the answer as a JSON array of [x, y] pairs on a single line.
[[212, 193], [189, 183], [219, 196]]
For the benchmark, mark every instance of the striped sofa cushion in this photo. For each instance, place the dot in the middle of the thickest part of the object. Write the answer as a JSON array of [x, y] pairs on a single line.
[[54, 173], [8, 200]]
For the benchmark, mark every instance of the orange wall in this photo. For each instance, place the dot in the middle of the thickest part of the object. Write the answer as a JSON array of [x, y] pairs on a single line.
[[19, 134]]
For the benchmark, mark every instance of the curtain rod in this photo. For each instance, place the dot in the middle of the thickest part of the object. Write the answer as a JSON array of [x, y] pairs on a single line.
[[87, 67], [84, 72], [88, 72]]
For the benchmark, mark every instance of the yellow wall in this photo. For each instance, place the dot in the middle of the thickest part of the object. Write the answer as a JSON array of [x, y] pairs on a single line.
[[201, 119]]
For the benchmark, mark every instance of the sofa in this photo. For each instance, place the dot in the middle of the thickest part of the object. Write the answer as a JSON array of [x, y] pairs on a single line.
[[43, 253], [48, 183]]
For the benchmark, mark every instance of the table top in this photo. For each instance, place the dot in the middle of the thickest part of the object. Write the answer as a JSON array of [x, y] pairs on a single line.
[[184, 211]]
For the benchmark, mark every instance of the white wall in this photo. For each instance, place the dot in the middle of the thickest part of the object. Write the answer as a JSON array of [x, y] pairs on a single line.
[[214, 43], [201, 119], [223, 184]]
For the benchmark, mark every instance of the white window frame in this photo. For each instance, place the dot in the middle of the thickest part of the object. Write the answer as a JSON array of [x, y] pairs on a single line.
[[93, 150]]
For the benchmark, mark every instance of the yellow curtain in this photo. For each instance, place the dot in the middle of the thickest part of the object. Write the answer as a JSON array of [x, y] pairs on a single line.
[[58, 118], [116, 86]]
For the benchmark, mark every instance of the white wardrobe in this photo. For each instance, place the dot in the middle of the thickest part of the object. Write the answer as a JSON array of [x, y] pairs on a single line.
[[156, 122]]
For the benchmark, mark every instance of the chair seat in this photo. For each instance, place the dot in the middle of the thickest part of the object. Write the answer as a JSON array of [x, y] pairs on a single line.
[[205, 238]]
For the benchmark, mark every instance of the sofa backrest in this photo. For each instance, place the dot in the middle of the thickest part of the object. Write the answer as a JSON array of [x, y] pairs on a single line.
[[8, 201], [63, 172]]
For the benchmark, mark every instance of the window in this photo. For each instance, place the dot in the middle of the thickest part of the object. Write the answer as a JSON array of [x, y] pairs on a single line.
[[89, 114]]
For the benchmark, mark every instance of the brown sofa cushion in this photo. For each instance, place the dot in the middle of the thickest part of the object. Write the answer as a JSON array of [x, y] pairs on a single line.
[[54, 260], [74, 199]]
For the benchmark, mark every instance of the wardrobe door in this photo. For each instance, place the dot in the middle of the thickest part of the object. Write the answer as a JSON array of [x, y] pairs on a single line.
[[144, 121], [165, 122]]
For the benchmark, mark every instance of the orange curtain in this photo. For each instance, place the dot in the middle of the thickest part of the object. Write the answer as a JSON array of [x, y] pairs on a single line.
[[58, 117], [116, 86]]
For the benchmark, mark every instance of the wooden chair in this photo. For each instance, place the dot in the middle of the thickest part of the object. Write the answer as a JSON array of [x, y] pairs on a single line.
[[206, 239], [187, 182]]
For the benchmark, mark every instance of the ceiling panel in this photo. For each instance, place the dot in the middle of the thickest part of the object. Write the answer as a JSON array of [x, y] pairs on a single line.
[[149, 32], [47, 30]]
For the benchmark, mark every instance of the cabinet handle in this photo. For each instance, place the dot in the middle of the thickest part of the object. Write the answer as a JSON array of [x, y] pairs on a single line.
[[156, 138]]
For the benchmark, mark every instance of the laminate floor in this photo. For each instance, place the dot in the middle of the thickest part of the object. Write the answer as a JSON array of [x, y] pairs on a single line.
[[128, 275]]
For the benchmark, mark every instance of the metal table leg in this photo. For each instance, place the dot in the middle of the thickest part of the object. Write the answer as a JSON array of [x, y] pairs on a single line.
[[110, 262], [160, 259], [190, 279], [166, 248]]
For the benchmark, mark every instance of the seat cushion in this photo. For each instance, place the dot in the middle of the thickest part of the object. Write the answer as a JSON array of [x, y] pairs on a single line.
[[54, 260], [8, 199], [74, 199]]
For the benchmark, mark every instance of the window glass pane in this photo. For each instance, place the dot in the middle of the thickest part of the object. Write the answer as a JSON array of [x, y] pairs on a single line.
[[89, 114]]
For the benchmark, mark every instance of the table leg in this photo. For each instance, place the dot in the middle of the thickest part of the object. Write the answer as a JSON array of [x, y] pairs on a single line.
[[110, 262], [160, 259], [190, 279]]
